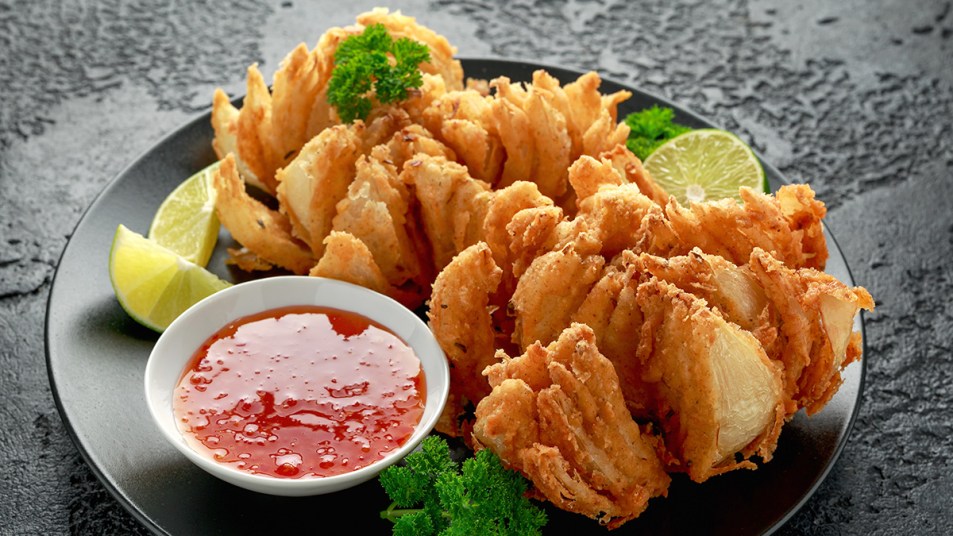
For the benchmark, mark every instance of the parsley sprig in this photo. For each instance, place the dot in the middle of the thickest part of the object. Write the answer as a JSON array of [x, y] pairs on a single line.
[[433, 495], [373, 65], [650, 128]]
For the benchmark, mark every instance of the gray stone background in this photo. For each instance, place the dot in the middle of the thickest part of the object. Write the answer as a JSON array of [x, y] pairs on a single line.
[[854, 97]]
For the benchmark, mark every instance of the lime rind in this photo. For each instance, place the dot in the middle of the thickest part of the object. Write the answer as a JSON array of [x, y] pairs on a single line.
[[706, 164], [186, 222], [153, 284]]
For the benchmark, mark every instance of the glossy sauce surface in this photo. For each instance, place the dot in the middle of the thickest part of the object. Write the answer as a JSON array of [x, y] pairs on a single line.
[[300, 391]]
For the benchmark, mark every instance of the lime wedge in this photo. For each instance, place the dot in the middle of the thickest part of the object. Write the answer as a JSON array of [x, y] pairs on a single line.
[[152, 283], [186, 222], [705, 165]]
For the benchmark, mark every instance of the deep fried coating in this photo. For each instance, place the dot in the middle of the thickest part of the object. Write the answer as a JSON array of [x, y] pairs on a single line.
[[381, 125], [557, 415], [786, 225], [452, 204], [411, 140], [375, 211], [732, 290], [591, 118], [814, 320], [717, 395], [803, 318], [272, 125], [347, 259], [463, 120], [629, 166], [255, 226], [534, 135], [503, 206], [612, 311], [317, 179], [804, 214], [532, 232], [460, 318], [255, 134], [608, 210], [550, 291]]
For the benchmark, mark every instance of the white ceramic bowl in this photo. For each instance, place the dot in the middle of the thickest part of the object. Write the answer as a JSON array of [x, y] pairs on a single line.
[[182, 338]]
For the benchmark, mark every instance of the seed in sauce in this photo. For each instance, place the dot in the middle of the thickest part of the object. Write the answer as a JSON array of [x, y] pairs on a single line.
[[312, 413]]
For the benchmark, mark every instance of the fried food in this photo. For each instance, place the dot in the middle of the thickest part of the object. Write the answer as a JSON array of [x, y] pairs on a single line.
[[310, 187], [266, 232], [272, 126], [803, 318], [651, 338], [347, 259], [452, 204], [442, 62], [706, 382], [557, 415], [787, 225], [717, 395], [375, 211], [463, 121], [550, 291], [460, 317]]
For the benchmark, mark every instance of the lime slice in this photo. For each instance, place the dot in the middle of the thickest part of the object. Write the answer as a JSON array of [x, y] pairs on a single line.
[[152, 283], [705, 165], [186, 222]]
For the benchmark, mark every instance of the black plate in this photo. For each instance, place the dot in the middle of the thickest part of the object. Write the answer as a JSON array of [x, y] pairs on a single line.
[[96, 356]]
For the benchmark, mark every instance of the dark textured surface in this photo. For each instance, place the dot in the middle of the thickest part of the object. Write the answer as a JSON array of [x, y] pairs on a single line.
[[854, 97]]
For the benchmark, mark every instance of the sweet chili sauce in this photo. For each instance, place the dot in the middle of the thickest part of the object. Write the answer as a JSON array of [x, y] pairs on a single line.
[[300, 391]]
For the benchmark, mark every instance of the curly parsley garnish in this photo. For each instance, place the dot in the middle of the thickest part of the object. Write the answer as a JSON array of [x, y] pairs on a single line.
[[373, 65], [650, 128], [434, 495]]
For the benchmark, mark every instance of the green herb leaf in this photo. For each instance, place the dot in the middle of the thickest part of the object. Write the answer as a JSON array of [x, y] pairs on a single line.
[[650, 128], [438, 496], [371, 65]]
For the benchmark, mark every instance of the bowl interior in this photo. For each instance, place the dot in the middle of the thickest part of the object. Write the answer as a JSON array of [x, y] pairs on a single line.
[[178, 343]]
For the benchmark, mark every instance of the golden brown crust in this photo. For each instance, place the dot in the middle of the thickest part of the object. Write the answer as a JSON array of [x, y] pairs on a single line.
[[460, 318], [556, 414], [264, 231]]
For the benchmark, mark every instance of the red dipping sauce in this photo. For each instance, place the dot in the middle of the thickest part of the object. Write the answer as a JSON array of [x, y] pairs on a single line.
[[300, 391]]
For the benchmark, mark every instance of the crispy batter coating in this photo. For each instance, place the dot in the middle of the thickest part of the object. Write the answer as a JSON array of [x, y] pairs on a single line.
[[613, 215], [411, 140], [375, 211], [803, 318], [532, 232], [629, 166], [442, 62], [266, 232], [463, 121], [460, 318], [557, 415], [534, 135], [788, 231], [272, 126], [452, 204], [347, 259], [503, 207], [814, 317], [550, 291], [311, 186], [717, 395]]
